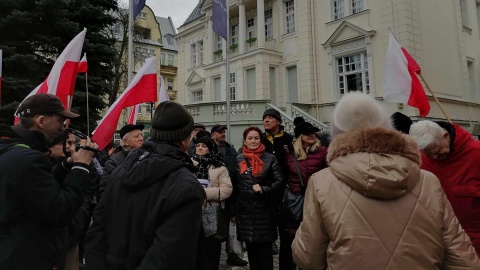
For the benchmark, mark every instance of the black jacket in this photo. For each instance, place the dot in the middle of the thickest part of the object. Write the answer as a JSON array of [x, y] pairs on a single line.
[[35, 210], [150, 214], [110, 165], [255, 212]]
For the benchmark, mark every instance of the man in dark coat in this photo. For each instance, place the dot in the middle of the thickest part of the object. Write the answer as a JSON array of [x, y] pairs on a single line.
[[151, 213], [132, 138], [35, 209]]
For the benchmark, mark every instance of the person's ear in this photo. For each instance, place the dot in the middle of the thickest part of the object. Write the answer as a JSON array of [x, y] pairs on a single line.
[[446, 135], [39, 121]]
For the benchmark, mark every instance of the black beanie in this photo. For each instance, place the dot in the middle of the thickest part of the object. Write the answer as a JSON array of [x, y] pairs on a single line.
[[203, 133], [171, 123], [298, 120], [208, 142], [401, 122], [274, 113]]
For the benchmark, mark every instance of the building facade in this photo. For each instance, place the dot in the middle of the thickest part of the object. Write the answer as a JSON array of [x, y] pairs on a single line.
[[169, 56], [301, 56]]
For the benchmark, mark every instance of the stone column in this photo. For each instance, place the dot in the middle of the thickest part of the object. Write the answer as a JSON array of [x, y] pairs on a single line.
[[261, 23], [242, 28], [208, 44]]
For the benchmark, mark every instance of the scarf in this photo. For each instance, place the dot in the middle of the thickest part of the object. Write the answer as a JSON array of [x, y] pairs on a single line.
[[253, 156], [203, 163]]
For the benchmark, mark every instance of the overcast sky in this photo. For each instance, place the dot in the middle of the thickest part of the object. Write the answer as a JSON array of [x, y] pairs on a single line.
[[177, 9]]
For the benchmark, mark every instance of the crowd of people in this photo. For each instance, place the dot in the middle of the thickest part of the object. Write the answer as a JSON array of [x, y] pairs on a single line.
[[378, 192]]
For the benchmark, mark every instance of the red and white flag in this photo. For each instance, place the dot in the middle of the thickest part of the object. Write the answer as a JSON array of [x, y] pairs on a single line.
[[401, 83], [83, 66], [143, 88], [163, 96]]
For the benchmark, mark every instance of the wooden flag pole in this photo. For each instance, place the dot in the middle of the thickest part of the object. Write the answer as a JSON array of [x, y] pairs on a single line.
[[436, 99]]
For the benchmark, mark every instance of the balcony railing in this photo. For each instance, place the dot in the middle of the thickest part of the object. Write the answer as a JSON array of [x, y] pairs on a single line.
[[217, 57], [168, 69], [216, 112]]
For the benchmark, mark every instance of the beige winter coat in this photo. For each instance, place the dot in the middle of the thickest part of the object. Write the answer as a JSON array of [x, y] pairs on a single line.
[[220, 180], [373, 208]]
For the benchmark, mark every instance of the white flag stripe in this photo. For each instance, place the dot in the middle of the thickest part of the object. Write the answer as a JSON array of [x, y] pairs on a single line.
[[397, 80]]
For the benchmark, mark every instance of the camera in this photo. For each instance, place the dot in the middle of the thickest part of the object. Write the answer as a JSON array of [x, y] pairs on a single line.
[[78, 137]]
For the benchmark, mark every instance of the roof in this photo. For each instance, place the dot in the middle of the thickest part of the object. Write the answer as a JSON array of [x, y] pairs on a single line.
[[196, 13], [167, 28]]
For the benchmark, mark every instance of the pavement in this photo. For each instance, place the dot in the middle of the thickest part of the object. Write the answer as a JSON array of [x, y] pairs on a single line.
[[225, 266]]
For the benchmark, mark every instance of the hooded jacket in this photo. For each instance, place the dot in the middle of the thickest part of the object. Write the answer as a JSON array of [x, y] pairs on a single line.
[[373, 208], [459, 175], [34, 209], [150, 214]]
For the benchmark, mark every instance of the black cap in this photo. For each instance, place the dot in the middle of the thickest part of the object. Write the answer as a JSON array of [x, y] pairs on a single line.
[[217, 128], [127, 128], [305, 128], [41, 104], [273, 113], [198, 125]]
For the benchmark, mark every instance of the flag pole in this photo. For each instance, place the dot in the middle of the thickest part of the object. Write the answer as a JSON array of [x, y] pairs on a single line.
[[227, 68], [88, 107], [436, 99]]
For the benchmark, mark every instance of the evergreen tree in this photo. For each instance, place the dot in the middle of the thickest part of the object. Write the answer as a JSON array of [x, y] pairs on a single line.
[[34, 32]]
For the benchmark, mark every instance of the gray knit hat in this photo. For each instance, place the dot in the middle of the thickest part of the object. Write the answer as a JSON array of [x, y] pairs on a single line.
[[171, 122]]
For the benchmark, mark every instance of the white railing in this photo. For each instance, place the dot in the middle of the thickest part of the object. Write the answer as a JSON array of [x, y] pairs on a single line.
[[301, 112], [287, 120]]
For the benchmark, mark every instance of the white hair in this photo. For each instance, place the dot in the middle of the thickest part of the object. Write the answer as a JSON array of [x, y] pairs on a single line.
[[425, 133]]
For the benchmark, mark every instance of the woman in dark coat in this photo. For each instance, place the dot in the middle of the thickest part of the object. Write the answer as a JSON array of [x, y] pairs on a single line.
[[311, 158], [259, 181]]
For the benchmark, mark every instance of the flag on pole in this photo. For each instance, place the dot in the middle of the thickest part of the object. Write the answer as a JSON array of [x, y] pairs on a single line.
[[138, 5], [1, 61], [401, 83], [132, 119], [61, 80], [219, 13], [163, 96], [143, 88], [83, 66]]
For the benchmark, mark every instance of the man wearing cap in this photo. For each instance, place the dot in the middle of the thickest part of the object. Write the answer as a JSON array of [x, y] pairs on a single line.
[[132, 138], [35, 209], [196, 128], [229, 156], [151, 213], [276, 141]]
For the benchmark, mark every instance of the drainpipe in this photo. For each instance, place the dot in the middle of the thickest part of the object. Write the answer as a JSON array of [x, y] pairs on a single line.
[[314, 52]]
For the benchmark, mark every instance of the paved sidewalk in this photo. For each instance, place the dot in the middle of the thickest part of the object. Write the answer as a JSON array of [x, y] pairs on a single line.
[[225, 266]]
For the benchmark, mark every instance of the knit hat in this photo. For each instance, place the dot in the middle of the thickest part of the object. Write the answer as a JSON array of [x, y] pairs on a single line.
[[304, 128], [273, 113], [171, 123], [199, 125], [208, 142], [203, 133], [356, 110], [401, 122]]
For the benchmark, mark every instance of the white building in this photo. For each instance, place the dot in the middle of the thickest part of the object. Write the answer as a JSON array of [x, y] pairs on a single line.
[[303, 55]]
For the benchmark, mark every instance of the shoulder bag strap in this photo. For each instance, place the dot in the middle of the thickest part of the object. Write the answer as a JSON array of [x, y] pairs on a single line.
[[298, 171]]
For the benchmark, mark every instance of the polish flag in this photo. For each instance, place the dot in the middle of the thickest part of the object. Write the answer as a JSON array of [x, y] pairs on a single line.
[[401, 83], [143, 88], [61, 80], [82, 66], [163, 96]]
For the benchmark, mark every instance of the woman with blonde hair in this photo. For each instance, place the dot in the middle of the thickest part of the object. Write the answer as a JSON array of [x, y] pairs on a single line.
[[307, 157]]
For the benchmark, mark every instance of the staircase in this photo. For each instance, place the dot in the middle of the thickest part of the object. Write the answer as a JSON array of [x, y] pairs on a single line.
[[287, 118]]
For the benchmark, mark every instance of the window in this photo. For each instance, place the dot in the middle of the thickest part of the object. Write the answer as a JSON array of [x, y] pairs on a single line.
[[250, 28], [464, 10], [116, 138], [289, 16], [273, 81], [170, 59], [169, 39], [197, 96], [194, 54], [478, 15], [251, 83], [343, 8], [233, 86], [234, 34], [162, 59], [139, 109], [268, 24], [141, 33], [292, 84], [352, 73], [169, 84], [200, 51], [142, 15], [472, 80], [148, 107], [217, 83], [152, 52], [219, 43]]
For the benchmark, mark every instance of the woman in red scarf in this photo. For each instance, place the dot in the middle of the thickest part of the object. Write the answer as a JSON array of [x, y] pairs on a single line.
[[258, 181]]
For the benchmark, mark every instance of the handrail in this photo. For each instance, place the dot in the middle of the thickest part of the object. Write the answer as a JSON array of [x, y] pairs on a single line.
[[287, 120], [308, 118]]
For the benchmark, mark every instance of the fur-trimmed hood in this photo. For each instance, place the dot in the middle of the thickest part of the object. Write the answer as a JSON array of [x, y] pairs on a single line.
[[376, 162]]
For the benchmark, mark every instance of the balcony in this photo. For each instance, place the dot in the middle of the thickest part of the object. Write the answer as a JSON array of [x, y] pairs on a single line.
[[172, 94], [170, 70], [216, 112]]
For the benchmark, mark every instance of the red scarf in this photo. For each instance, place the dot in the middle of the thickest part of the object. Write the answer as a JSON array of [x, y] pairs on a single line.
[[253, 157]]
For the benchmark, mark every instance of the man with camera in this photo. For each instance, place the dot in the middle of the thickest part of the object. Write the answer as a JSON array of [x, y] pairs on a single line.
[[34, 209]]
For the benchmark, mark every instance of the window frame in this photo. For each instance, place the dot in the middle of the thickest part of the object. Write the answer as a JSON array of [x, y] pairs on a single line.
[[289, 24], [193, 48], [233, 85], [172, 58], [364, 71], [196, 96], [268, 23]]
